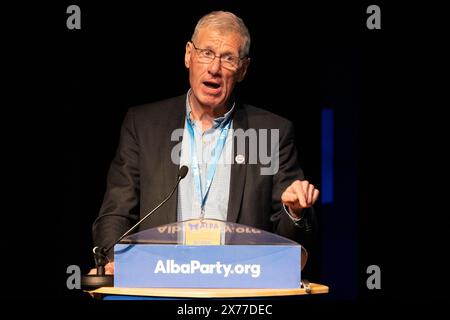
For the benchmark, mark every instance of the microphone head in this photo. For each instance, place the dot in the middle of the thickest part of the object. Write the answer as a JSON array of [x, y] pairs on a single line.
[[183, 172]]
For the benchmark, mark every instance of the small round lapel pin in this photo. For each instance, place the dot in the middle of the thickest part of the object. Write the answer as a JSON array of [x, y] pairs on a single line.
[[240, 159]]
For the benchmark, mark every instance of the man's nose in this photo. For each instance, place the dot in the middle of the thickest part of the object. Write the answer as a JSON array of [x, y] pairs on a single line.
[[214, 66]]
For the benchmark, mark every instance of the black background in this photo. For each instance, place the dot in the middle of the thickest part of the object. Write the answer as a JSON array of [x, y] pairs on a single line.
[[71, 88]]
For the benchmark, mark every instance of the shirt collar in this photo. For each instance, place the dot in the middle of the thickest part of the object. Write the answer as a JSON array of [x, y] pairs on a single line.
[[220, 121]]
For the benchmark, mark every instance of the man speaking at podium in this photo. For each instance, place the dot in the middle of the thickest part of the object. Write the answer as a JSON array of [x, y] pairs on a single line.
[[199, 130]]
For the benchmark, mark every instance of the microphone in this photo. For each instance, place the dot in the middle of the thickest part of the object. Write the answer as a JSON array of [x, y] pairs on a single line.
[[91, 282]]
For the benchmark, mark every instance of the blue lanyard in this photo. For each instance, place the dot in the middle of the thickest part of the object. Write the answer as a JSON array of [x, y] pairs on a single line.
[[212, 167]]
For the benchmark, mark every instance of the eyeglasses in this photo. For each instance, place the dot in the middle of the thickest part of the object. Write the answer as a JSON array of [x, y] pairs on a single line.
[[227, 61]]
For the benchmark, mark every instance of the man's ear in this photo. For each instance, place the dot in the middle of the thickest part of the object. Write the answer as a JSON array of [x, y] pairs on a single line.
[[243, 70], [187, 55]]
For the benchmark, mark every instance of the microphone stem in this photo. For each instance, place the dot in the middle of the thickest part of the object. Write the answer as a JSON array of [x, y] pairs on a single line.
[[146, 216], [100, 270]]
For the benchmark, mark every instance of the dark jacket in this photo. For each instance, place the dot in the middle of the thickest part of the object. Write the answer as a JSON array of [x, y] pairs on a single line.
[[142, 174]]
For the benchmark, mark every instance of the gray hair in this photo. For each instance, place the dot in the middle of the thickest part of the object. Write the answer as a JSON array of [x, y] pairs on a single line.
[[225, 22]]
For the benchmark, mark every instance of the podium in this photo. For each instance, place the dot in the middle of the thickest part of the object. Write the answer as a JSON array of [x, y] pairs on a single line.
[[208, 258]]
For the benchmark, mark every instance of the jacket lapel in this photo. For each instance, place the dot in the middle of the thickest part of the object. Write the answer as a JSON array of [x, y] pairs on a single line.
[[238, 171], [170, 169]]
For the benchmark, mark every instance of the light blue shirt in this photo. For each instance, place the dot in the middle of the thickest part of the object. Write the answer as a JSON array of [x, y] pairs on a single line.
[[216, 205]]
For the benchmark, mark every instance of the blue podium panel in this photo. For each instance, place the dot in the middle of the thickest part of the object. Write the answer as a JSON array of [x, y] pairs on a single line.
[[207, 254], [225, 266]]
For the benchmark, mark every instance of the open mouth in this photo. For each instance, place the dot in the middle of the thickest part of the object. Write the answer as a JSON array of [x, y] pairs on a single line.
[[211, 85]]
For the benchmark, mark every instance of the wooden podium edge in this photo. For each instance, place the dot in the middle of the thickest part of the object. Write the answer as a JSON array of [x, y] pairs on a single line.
[[208, 292]]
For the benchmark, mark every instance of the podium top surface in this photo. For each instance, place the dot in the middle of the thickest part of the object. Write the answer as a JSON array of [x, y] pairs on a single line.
[[209, 293], [207, 232]]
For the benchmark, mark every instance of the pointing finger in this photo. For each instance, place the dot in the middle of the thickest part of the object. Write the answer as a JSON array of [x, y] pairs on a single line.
[[315, 195]]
